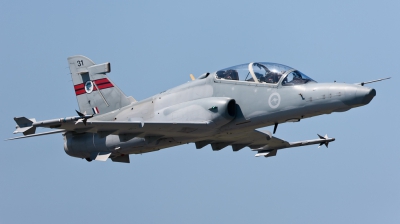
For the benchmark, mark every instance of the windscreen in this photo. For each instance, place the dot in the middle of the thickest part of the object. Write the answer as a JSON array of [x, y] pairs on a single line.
[[296, 78], [263, 72]]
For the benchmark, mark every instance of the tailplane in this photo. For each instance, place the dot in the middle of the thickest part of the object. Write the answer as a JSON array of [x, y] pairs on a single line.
[[95, 92]]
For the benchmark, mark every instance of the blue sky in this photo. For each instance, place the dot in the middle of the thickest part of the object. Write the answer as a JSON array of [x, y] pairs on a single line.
[[154, 46]]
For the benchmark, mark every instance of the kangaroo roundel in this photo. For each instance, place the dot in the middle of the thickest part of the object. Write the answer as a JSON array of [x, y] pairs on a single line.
[[274, 100], [89, 86]]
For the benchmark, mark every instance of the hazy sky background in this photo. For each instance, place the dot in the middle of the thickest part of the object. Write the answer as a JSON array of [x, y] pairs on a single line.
[[154, 46]]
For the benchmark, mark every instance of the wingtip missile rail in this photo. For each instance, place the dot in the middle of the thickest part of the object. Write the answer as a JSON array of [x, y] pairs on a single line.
[[28, 126], [271, 151]]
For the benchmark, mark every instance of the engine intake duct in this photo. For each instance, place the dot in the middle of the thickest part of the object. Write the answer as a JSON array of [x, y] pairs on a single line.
[[231, 108], [223, 111]]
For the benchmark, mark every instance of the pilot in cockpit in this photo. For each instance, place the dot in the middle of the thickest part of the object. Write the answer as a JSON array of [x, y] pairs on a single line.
[[232, 74], [228, 74], [272, 77]]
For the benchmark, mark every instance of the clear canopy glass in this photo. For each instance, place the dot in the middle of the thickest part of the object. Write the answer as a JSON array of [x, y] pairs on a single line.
[[263, 72], [296, 78]]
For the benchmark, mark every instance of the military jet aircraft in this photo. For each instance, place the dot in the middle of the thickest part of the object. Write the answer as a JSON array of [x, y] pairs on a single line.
[[223, 108]]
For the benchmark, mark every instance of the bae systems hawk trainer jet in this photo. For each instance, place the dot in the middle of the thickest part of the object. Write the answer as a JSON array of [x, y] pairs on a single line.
[[222, 109]]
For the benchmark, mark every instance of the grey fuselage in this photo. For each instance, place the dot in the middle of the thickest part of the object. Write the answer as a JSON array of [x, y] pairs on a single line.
[[256, 105]]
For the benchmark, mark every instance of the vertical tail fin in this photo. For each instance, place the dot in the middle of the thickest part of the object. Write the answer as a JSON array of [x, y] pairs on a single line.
[[95, 92]]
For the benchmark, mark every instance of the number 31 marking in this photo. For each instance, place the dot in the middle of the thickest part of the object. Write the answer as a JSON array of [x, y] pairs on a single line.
[[80, 63]]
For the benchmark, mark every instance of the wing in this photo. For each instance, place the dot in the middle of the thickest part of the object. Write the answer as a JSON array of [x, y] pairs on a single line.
[[137, 128], [261, 141], [104, 128]]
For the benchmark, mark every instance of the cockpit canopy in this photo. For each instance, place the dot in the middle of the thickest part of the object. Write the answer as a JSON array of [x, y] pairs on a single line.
[[264, 72]]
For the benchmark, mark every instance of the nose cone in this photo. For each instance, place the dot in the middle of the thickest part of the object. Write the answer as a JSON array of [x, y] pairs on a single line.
[[362, 96], [367, 95]]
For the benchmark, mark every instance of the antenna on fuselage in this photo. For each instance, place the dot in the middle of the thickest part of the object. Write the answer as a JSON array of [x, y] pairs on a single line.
[[275, 127]]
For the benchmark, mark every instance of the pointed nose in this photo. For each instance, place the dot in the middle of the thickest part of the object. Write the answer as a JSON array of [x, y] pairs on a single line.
[[359, 96]]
